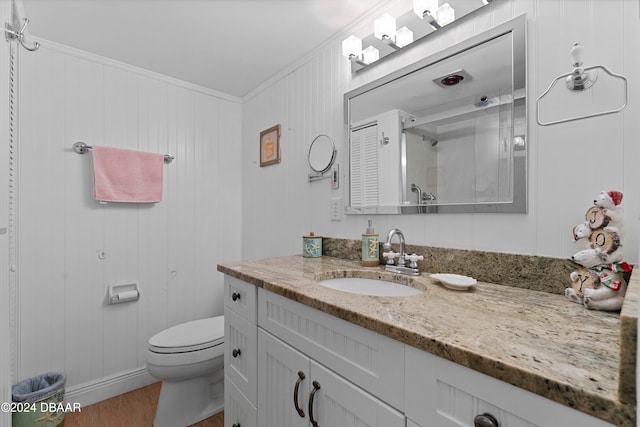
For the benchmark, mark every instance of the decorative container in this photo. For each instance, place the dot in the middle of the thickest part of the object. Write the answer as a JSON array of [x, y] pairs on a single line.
[[311, 246]]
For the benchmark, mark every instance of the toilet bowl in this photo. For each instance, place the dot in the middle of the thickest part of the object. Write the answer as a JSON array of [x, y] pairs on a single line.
[[189, 359]]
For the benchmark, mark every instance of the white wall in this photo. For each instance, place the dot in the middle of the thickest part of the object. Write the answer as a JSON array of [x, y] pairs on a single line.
[[568, 164], [5, 332], [170, 248]]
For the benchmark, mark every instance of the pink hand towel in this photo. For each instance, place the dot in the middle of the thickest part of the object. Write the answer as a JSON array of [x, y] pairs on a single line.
[[127, 176]]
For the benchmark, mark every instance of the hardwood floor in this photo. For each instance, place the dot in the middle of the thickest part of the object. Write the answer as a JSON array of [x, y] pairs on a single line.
[[136, 408]]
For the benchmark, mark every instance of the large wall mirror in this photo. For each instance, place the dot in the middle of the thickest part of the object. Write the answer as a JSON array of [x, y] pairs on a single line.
[[446, 134]]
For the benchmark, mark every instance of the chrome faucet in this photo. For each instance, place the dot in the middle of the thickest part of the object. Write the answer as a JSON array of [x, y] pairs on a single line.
[[387, 244], [401, 267], [418, 190]]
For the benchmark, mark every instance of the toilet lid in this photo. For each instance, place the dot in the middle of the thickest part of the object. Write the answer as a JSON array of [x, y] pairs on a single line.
[[189, 336]]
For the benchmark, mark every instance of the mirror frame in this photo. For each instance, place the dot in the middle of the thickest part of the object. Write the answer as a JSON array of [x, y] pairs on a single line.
[[333, 153], [319, 174], [518, 28]]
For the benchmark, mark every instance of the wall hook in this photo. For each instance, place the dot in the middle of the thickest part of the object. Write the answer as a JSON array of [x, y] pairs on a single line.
[[13, 34]]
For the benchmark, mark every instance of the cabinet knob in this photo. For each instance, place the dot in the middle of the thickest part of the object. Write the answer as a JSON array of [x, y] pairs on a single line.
[[236, 352], [235, 296], [485, 420]]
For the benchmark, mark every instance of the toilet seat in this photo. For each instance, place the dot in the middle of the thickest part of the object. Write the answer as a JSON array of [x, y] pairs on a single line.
[[190, 336]]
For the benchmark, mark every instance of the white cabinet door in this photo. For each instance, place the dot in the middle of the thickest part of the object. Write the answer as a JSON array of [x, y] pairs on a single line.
[[335, 401], [283, 383], [241, 353], [368, 359]]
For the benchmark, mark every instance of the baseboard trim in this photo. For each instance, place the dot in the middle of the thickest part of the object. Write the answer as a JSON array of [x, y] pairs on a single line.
[[105, 388]]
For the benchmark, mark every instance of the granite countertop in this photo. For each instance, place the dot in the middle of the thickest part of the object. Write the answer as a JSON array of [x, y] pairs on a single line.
[[537, 341]]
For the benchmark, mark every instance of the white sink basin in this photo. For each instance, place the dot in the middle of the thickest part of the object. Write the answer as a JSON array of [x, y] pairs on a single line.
[[359, 285]]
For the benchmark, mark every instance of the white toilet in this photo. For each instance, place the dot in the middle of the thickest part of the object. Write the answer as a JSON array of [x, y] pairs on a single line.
[[189, 359]]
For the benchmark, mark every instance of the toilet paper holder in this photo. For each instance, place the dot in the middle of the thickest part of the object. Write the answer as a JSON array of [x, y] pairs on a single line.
[[123, 293]]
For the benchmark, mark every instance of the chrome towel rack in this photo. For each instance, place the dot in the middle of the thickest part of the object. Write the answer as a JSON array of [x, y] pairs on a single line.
[[81, 148], [579, 79]]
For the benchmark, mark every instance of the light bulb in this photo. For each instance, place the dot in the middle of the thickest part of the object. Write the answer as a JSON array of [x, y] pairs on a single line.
[[446, 14], [404, 36], [422, 6], [370, 54], [352, 47], [385, 27]]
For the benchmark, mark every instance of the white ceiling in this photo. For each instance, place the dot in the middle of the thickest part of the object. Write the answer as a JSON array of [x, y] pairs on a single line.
[[231, 46]]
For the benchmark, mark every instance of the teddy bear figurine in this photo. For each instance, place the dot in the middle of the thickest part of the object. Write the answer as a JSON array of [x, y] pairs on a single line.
[[603, 213], [609, 201], [602, 288], [600, 283]]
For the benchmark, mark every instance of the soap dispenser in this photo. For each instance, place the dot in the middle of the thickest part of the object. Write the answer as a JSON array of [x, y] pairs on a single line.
[[370, 255]]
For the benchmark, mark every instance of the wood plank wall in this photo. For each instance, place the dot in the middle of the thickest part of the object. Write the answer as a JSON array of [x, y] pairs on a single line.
[[569, 164], [71, 248], [5, 329], [172, 248]]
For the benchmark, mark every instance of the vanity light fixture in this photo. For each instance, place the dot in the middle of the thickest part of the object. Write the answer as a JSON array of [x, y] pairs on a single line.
[[446, 14], [404, 36], [352, 49], [370, 54], [385, 30], [427, 9], [436, 16]]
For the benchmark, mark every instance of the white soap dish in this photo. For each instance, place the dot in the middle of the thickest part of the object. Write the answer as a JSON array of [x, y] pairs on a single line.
[[455, 281]]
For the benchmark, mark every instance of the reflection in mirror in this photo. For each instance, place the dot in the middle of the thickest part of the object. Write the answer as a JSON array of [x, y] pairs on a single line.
[[322, 154], [446, 134]]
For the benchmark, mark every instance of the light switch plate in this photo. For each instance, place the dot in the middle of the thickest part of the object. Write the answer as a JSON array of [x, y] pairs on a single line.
[[336, 209]]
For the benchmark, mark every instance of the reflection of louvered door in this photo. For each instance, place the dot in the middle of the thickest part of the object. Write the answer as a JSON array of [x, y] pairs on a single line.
[[364, 166]]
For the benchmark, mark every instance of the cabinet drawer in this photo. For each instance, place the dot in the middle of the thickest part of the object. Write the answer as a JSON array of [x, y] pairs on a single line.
[[445, 394], [241, 354], [370, 360], [237, 409], [240, 297]]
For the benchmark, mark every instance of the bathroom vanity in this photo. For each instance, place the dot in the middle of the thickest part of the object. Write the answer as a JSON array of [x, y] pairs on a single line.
[[298, 353]]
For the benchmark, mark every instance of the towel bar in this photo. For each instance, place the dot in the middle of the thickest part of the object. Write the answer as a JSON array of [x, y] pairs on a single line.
[[578, 80], [81, 148]]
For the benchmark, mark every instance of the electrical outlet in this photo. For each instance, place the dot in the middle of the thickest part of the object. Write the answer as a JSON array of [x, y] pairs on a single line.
[[336, 209]]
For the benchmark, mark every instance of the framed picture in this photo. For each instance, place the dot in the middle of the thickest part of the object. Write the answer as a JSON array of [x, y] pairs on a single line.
[[270, 146]]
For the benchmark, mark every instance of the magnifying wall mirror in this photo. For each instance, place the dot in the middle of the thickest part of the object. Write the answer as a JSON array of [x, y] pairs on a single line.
[[322, 155], [446, 134]]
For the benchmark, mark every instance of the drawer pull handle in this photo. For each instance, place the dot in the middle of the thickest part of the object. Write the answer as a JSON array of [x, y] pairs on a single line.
[[235, 296], [316, 387], [236, 425], [485, 420], [295, 394], [236, 352]]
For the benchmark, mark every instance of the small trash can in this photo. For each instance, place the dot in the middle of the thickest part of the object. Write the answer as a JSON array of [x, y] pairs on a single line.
[[38, 401]]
